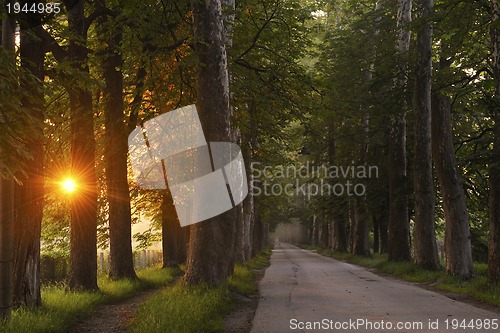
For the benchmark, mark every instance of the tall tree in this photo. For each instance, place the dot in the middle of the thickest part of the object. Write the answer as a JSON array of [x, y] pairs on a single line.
[[29, 197], [83, 249], [494, 197], [425, 247], [173, 235], [457, 232], [361, 245], [399, 225], [115, 152], [211, 240], [6, 194]]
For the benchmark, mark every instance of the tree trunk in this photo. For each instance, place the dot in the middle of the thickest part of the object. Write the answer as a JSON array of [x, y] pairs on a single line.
[[248, 216], [29, 196], [208, 258], [83, 249], [115, 153], [494, 199], [315, 231], [6, 246], [339, 231], [6, 202], [376, 234], [383, 232], [239, 251], [323, 239], [425, 247], [457, 233], [399, 225], [361, 244], [173, 243], [257, 242]]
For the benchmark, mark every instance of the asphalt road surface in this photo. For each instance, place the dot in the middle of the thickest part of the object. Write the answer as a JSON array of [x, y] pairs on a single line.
[[305, 292]]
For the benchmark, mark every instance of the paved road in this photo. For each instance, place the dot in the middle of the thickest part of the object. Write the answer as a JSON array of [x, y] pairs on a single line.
[[305, 292]]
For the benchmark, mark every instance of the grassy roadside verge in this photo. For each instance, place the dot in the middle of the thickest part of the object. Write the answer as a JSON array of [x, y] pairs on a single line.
[[476, 288], [183, 309], [60, 309]]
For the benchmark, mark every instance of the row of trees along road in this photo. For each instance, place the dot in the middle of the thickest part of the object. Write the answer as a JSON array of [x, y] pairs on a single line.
[[411, 87], [73, 86]]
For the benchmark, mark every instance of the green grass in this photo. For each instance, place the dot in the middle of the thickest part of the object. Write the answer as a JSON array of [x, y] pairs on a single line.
[[477, 288], [186, 309], [183, 309], [60, 309]]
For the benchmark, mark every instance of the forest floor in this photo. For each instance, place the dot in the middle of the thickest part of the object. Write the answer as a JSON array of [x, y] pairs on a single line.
[[116, 316], [112, 317]]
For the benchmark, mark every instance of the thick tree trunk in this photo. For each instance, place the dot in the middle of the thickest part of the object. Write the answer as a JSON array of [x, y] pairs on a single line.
[[376, 234], [248, 216], [173, 242], [6, 203], [340, 217], [324, 235], [239, 251], [399, 224], [425, 247], [351, 226], [339, 242], [457, 233], [258, 231], [6, 246], [83, 249], [383, 232], [494, 199], [361, 245], [208, 258], [115, 153], [315, 231], [29, 196], [243, 244]]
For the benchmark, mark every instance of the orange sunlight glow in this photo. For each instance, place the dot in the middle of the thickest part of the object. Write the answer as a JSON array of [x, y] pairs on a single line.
[[68, 185]]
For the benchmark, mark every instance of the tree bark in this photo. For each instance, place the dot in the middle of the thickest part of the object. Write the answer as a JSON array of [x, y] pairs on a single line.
[[376, 234], [494, 173], [339, 232], [208, 258], [324, 236], [339, 241], [457, 233], [115, 153], [425, 247], [258, 231], [399, 225], [6, 203], [248, 216], [361, 244], [173, 242], [83, 249], [352, 225], [29, 196]]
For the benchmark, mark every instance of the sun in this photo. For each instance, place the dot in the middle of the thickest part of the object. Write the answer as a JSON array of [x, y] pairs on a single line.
[[69, 185]]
